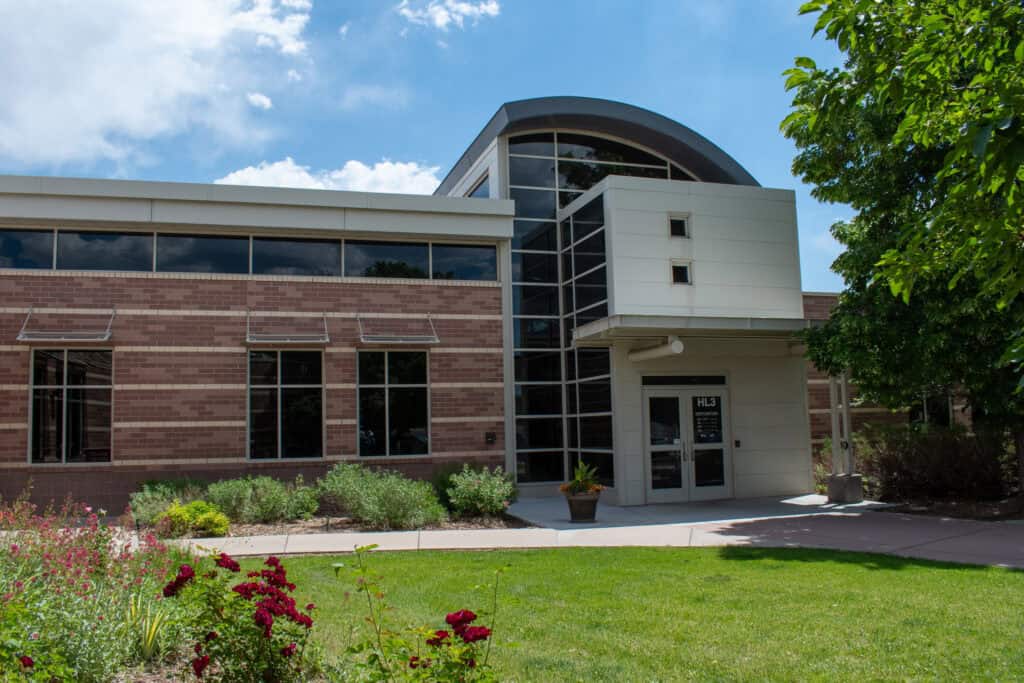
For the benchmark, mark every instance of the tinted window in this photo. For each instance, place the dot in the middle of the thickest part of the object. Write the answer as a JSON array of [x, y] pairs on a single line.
[[533, 203], [540, 144], [593, 362], [26, 249], [581, 175], [202, 254], [535, 300], [482, 189], [537, 366], [679, 174], [453, 262], [386, 259], [681, 275], [539, 433], [535, 333], [371, 367], [71, 418], [567, 198], [539, 399], [535, 235], [531, 172], [677, 227], [301, 422], [535, 467], [407, 367], [589, 253], [530, 267], [104, 251], [271, 256], [603, 462], [573, 146]]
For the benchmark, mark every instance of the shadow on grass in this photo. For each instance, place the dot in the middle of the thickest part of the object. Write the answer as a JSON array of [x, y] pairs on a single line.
[[865, 560]]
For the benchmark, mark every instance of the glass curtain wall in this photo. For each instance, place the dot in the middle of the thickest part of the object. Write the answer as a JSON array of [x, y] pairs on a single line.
[[563, 396]]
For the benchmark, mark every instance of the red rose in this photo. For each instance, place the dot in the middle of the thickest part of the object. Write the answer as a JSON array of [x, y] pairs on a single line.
[[310, 607], [212, 635], [26, 661], [224, 561], [460, 618], [198, 648], [288, 650], [265, 619], [471, 634], [439, 637], [414, 662], [199, 665]]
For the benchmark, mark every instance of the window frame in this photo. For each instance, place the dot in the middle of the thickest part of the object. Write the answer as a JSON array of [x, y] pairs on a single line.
[[278, 387], [64, 386], [687, 226], [386, 386], [680, 263], [485, 178]]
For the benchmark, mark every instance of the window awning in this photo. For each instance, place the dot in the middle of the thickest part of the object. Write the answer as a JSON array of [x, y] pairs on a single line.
[[644, 327], [381, 330], [67, 325], [268, 328]]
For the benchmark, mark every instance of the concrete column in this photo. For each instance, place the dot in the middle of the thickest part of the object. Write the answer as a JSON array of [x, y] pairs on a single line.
[[847, 432], [833, 410]]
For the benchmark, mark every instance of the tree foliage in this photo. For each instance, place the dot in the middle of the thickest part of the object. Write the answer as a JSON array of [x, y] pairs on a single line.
[[921, 133]]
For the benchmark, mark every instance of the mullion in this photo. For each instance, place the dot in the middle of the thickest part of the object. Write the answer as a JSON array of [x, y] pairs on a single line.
[[387, 404]]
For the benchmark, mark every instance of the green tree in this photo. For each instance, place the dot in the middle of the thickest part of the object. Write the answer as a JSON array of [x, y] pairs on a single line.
[[920, 132]]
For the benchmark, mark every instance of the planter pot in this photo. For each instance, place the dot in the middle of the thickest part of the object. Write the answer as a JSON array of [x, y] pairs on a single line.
[[582, 506]]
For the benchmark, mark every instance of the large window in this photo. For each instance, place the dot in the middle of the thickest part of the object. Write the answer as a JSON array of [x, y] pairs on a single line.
[[71, 405], [26, 249], [275, 256], [394, 414], [387, 259], [464, 262], [104, 251], [202, 254], [286, 404]]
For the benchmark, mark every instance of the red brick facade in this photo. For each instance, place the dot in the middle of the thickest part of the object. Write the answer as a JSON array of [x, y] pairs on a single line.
[[180, 371]]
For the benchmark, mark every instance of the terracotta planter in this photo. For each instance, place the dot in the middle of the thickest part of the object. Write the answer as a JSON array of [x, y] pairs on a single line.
[[582, 506]]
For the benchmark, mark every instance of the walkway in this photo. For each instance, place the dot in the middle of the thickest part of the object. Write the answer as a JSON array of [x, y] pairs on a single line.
[[766, 523]]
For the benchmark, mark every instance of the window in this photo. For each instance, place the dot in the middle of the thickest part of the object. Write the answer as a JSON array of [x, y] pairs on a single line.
[[482, 190], [104, 251], [387, 259], [202, 254], [677, 226], [286, 404], [26, 249], [457, 262], [273, 256], [71, 405], [393, 403], [680, 274]]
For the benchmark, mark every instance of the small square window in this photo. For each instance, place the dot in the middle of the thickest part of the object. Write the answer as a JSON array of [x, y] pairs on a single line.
[[680, 274], [677, 226]]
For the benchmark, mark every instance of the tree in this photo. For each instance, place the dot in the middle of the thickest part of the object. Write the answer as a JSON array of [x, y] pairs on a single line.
[[920, 132]]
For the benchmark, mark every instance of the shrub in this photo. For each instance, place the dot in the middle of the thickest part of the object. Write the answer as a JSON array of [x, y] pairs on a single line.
[[262, 500], [233, 497], [920, 462], [243, 628], [482, 492], [442, 481], [303, 501], [197, 518], [381, 499], [155, 497]]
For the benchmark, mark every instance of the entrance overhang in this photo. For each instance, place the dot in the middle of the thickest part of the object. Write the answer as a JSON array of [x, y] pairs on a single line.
[[640, 328]]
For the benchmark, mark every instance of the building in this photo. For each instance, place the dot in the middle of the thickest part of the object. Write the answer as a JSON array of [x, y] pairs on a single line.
[[591, 281]]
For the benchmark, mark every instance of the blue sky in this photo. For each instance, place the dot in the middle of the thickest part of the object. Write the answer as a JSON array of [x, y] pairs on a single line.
[[383, 94]]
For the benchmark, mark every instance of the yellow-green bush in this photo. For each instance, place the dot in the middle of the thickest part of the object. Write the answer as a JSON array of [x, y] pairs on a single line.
[[197, 518]]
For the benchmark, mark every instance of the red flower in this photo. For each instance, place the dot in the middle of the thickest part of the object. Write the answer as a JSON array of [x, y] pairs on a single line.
[[471, 634], [310, 607], [471, 663], [198, 648], [212, 635], [438, 639], [460, 618], [185, 574], [199, 665], [414, 662], [265, 619], [224, 561], [288, 650], [26, 661]]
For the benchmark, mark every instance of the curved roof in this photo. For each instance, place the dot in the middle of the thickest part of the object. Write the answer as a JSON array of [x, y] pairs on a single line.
[[680, 144]]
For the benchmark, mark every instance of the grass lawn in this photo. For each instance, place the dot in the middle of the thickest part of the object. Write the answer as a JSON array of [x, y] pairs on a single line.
[[710, 614]]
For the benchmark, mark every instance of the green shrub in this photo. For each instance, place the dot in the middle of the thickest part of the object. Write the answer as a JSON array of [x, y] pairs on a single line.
[[155, 497], [481, 492], [442, 481], [256, 500], [380, 499], [197, 518]]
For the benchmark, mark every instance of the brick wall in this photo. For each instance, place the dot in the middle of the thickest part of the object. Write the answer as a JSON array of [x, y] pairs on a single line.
[[180, 361]]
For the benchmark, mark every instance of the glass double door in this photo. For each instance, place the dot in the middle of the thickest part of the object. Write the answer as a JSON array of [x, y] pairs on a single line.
[[686, 445]]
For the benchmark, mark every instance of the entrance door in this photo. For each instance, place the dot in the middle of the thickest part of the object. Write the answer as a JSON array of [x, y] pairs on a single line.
[[686, 451]]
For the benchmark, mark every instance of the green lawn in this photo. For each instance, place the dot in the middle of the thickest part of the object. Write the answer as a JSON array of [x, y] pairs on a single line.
[[709, 614]]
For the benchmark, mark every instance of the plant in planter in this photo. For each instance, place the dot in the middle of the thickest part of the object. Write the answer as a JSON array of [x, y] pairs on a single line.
[[582, 492]]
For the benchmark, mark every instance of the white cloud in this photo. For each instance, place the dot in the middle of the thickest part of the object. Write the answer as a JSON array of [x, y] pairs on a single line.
[[88, 81], [357, 96], [343, 30], [443, 13], [824, 242], [406, 177], [294, 76], [259, 100]]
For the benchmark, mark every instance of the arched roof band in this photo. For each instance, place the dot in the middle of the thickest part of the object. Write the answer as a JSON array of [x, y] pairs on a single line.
[[681, 145]]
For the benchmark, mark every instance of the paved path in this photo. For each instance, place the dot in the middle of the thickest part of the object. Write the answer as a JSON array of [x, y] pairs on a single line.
[[913, 536]]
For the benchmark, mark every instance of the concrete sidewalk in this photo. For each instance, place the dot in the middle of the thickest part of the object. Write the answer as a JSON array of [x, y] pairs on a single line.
[[932, 538]]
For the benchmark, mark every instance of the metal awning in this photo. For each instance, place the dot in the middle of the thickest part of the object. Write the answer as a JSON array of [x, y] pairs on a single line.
[[67, 333], [398, 331], [278, 330], [646, 327]]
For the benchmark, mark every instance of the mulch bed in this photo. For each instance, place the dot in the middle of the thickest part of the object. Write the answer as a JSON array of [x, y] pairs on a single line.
[[323, 525], [986, 510]]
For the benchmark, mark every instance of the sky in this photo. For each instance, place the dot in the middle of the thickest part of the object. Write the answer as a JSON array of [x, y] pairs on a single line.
[[384, 95]]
